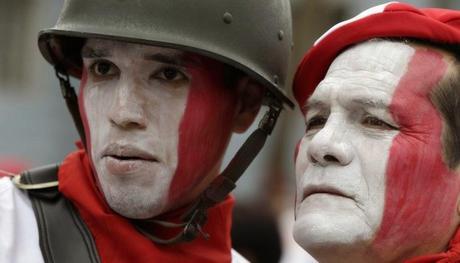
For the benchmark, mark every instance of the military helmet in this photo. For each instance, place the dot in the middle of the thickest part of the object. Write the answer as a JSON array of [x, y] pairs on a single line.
[[251, 35]]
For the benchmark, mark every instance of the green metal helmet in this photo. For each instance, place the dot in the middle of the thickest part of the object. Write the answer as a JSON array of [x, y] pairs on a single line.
[[251, 35]]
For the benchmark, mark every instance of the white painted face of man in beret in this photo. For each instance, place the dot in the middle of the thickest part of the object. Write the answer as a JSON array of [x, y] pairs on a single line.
[[377, 179]]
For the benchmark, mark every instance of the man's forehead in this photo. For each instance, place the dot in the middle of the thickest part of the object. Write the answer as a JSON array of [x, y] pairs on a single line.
[[95, 47], [375, 56], [369, 72], [365, 74]]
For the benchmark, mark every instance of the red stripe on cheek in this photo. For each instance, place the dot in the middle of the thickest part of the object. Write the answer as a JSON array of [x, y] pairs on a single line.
[[421, 192], [84, 119], [81, 106], [205, 129]]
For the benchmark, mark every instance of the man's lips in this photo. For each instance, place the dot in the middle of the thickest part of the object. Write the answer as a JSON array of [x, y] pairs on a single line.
[[126, 159], [128, 153], [323, 189]]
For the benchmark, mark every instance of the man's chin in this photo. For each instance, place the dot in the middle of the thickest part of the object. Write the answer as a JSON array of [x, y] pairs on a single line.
[[141, 195], [319, 235], [315, 231], [136, 210], [137, 201]]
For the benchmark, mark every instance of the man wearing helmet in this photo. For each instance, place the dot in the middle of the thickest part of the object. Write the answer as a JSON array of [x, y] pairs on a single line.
[[378, 168], [163, 85]]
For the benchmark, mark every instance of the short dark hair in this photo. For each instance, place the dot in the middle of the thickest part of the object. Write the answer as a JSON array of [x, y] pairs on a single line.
[[446, 98], [232, 75]]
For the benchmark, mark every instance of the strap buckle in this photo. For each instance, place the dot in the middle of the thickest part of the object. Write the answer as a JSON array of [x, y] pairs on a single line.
[[64, 83], [193, 226], [17, 182], [267, 124]]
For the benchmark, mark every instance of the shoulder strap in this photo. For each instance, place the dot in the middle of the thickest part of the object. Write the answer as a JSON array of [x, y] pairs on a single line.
[[63, 235]]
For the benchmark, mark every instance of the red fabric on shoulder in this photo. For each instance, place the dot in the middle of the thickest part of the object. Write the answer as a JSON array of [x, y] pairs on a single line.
[[452, 255], [118, 241]]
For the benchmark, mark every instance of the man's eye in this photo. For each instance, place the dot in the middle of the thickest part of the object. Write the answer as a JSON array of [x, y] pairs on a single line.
[[316, 123], [169, 74], [376, 123], [104, 68]]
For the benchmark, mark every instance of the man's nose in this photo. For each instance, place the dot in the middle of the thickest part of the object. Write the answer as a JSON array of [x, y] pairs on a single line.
[[128, 109], [331, 145]]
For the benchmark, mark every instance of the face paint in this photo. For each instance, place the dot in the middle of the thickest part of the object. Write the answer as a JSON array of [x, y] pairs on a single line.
[[205, 131], [351, 152], [137, 111], [421, 196]]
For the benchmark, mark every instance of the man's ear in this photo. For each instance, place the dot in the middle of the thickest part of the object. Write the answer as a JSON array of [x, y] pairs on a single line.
[[249, 99]]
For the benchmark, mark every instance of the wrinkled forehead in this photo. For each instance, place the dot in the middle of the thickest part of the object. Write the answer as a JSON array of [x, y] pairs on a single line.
[[373, 57], [372, 70], [95, 47], [368, 71]]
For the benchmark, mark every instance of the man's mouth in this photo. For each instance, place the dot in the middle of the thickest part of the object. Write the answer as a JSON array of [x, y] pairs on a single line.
[[129, 158], [323, 189], [128, 153], [126, 159]]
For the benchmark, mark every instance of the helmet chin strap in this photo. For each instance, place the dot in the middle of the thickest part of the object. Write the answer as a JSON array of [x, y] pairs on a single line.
[[71, 100], [195, 217]]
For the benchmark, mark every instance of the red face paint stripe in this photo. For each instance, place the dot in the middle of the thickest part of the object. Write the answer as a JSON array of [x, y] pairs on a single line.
[[84, 79], [421, 193], [84, 118], [205, 128]]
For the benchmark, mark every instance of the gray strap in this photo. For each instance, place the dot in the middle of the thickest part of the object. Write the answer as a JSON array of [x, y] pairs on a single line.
[[226, 181], [64, 238], [71, 100]]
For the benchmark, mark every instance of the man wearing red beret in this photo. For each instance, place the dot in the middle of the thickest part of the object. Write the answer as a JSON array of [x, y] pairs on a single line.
[[378, 169]]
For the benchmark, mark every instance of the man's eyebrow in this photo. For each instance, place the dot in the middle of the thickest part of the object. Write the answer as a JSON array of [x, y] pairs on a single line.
[[172, 59], [363, 102], [315, 104], [88, 52], [369, 102], [312, 104]]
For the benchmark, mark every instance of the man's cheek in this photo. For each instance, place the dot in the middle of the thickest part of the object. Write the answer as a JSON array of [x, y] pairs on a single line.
[[420, 189], [301, 160], [301, 164], [204, 132], [296, 151]]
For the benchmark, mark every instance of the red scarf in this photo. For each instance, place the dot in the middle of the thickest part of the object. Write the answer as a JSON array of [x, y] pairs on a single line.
[[452, 255], [116, 239]]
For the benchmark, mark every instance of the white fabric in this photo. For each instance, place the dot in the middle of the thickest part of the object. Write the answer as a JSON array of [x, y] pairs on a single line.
[[19, 241], [237, 258], [368, 12], [18, 227]]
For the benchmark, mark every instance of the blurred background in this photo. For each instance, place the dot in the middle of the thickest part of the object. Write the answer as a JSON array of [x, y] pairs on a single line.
[[36, 129]]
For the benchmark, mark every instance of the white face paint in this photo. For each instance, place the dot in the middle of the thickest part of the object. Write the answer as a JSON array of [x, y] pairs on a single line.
[[134, 98], [341, 162]]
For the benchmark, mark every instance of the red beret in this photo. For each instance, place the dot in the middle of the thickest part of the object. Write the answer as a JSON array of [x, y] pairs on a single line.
[[388, 20]]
